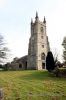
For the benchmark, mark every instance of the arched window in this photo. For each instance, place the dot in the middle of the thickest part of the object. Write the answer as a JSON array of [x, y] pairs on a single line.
[[20, 65], [43, 56]]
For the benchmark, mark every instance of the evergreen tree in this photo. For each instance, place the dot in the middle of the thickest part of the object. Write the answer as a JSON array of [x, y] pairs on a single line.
[[50, 64]]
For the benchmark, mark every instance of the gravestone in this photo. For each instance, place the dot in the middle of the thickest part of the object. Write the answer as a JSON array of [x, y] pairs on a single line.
[[1, 94]]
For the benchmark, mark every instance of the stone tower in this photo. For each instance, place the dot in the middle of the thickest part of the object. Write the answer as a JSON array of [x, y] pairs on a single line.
[[38, 45]]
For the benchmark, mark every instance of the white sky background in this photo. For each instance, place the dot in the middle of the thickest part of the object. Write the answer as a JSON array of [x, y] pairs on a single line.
[[15, 17]]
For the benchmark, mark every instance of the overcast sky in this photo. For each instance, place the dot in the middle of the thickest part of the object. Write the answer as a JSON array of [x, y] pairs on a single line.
[[15, 18]]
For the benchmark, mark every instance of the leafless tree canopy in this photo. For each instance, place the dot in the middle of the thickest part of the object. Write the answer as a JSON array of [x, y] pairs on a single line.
[[64, 51], [3, 49]]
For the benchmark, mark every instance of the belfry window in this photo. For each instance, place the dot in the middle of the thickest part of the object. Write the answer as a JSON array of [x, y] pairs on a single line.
[[42, 46], [43, 56], [42, 29], [42, 37]]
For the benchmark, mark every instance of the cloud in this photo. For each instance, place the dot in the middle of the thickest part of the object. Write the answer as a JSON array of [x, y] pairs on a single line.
[[3, 3]]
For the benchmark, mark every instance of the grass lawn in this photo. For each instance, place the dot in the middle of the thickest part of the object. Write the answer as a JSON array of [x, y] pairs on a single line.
[[32, 85]]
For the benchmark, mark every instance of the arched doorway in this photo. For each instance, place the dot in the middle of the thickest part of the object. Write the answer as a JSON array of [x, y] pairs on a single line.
[[43, 65], [43, 60]]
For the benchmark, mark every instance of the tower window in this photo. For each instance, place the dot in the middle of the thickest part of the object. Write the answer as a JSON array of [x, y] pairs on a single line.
[[42, 46], [43, 56], [42, 37], [42, 29]]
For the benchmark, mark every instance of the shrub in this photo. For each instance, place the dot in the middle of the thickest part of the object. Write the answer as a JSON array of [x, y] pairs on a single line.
[[60, 72], [56, 71], [63, 71]]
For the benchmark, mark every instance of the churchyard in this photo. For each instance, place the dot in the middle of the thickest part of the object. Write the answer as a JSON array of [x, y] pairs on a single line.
[[32, 85]]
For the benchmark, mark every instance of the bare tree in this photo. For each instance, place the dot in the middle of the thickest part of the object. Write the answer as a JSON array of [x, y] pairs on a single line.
[[3, 50], [55, 55], [64, 51]]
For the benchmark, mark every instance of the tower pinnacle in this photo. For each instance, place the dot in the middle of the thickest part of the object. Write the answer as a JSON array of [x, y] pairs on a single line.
[[31, 20], [36, 18], [44, 20]]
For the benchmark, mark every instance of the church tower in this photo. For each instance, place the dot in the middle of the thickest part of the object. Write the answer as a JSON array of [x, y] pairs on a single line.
[[38, 45]]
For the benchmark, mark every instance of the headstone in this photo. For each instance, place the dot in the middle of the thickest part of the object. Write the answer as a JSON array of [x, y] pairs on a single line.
[[1, 94]]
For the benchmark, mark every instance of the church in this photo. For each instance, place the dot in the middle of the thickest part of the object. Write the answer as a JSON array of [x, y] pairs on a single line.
[[38, 48]]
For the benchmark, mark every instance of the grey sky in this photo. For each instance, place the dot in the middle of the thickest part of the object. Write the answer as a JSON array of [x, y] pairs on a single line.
[[15, 17]]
